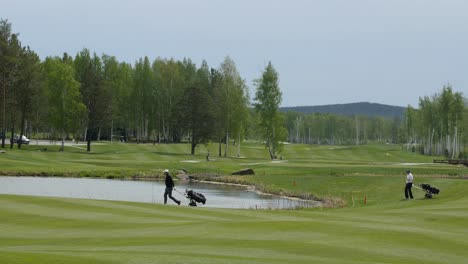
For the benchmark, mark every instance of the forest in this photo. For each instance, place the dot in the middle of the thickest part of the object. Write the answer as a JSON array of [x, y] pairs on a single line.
[[90, 97]]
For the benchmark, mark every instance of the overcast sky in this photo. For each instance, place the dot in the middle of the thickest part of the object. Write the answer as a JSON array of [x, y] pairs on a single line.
[[325, 51]]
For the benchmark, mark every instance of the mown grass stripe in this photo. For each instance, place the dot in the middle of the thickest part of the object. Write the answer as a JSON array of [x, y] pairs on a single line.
[[362, 235]]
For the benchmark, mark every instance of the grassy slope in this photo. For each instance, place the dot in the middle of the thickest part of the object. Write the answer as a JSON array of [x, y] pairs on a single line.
[[385, 230]]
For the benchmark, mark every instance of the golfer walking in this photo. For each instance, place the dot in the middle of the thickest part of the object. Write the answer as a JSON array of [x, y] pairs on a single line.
[[169, 188], [409, 185]]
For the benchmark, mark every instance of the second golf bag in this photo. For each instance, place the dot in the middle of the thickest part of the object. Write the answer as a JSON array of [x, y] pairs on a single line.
[[195, 197]]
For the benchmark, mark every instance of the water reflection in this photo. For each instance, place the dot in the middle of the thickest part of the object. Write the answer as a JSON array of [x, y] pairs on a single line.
[[217, 195]]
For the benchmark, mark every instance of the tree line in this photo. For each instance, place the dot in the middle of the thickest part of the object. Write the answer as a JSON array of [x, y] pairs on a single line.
[[334, 129], [90, 97], [439, 126]]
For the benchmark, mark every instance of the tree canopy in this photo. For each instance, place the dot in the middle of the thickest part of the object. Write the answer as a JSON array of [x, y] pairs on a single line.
[[89, 97], [268, 98]]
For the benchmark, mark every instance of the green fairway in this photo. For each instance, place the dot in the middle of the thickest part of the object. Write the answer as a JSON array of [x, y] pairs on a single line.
[[350, 173], [130, 159], [373, 224], [57, 230]]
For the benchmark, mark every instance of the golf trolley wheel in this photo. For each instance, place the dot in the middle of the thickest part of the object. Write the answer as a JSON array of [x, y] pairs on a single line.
[[428, 195]]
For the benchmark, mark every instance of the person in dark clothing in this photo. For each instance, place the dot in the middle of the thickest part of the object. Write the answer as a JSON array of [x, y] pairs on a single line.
[[169, 188], [409, 185]]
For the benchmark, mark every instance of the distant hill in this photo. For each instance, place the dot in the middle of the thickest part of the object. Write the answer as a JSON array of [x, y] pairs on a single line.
[[363, 108]]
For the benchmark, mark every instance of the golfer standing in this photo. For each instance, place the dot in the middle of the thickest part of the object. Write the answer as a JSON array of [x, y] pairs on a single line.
[[169, 188], [409, 185]]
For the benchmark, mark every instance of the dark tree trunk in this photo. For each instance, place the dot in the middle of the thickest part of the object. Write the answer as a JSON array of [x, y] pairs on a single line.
[[219, 148], [20, 142], [12, 136], [193, 148], [3, 137], [88, 145], [226, 148], [13, 118], [88, 141], [194, 144], [4, 113]]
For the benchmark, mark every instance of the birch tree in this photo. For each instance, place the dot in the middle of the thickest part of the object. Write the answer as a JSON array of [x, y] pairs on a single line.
[[268, 99], [64, 98], [233, 101]]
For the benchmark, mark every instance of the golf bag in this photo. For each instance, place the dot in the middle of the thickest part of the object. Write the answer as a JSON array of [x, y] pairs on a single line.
[[429, 190], [195, 197]]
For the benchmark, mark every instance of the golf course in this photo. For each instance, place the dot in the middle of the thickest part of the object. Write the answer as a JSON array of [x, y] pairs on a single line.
[[364, 217], [238, 132]]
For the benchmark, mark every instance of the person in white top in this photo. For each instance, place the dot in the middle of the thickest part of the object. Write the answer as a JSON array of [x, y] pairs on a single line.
[[409, 185]]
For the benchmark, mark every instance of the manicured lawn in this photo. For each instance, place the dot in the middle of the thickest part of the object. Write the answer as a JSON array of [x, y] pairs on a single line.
[[55, 230], [375, 226], [120, 159]]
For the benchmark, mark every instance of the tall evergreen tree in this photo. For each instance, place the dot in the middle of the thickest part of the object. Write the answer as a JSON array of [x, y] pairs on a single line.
[[88, 71], [10, 51], [28, 87], [5, 71], [15, 52], [196, 116], [143, 98]]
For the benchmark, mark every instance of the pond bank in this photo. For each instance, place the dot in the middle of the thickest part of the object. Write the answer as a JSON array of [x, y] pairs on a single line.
[[211, 178], [325, 202]]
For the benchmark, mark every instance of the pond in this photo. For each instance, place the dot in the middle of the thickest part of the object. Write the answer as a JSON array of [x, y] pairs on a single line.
[[217, 195]]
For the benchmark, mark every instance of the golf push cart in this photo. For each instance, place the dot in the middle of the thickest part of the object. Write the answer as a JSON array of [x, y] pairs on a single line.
[[428, 189], [194, 197]]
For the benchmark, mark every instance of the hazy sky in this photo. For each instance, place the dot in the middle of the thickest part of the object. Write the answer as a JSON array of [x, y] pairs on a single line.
[[326, 51]]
